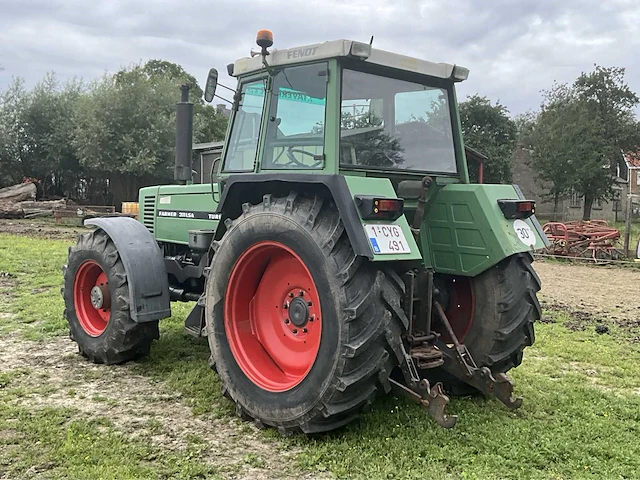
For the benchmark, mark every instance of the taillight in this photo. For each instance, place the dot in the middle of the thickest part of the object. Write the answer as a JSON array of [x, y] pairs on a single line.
[[517, 208], [524, 207], [377, 208]]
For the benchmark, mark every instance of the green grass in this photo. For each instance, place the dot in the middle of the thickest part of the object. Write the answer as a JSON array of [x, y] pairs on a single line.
[[31, 283], [580, 417], [54, 441]]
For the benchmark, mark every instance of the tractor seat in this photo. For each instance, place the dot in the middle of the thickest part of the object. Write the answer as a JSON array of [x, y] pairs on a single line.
[[409, 189]]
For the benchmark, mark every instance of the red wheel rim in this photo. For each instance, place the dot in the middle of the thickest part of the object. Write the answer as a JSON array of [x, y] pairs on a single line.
[[460, 308], [272, 316], [92, 298]]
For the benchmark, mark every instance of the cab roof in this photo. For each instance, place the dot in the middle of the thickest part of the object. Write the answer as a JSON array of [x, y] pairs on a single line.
[[343, 48]]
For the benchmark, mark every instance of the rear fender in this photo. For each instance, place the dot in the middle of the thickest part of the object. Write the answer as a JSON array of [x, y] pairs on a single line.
[[464, 231], [144, 265], [251, 188]]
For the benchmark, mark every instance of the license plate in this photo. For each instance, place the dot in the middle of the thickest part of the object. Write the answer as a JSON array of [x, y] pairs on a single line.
[[387, 239]]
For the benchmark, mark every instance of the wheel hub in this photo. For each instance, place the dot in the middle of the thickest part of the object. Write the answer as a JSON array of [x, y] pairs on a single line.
[[299, 311], [100, 297]]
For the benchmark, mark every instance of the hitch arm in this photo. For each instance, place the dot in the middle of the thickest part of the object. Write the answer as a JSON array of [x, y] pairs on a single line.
[[459, 362], [431, 398]]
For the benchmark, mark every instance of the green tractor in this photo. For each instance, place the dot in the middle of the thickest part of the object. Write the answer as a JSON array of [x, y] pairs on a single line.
[[338, 252]]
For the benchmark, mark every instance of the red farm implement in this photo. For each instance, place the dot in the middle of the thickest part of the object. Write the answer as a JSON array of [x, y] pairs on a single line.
[[594, 239]]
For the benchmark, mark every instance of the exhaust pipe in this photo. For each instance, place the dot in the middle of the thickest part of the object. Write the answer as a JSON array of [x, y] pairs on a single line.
[[184, 138]]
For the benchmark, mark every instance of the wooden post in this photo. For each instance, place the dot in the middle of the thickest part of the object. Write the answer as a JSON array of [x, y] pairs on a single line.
[[627, 229]]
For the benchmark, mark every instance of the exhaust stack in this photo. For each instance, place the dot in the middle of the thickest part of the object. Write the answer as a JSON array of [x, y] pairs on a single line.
[[184, 137]]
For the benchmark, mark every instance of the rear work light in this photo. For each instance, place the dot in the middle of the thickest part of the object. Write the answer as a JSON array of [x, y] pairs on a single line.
[[517, 208], [379, 208]]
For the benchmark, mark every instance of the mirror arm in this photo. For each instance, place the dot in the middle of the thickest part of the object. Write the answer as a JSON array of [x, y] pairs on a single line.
[[228, 88], [221, 98]]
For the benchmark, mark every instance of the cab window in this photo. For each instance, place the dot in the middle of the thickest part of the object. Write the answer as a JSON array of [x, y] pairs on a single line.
[[295, 130], [245, 131]]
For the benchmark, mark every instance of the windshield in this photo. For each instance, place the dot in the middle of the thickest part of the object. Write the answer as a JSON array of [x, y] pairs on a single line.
[[391, 123]]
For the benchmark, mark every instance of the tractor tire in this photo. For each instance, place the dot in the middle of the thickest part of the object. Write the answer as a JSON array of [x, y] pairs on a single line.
[[96, 296], [503, 309], [298, 365]]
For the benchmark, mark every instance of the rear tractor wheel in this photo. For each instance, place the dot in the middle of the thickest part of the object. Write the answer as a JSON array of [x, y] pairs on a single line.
[[302, 332], [96, 296], [492, 314]]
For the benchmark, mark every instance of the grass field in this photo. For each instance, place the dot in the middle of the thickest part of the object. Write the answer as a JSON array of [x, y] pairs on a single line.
[[164, 417]]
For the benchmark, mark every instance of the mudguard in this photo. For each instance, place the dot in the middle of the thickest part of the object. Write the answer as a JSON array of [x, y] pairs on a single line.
[[144, 264], [464, 231], [251, 187]]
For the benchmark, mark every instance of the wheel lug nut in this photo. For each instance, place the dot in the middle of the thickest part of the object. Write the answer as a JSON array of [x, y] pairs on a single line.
[[295, 331], [287, 321], [291, 294], [301, 293], [286, 305], [310, 304], [304, 330], [312, 318]]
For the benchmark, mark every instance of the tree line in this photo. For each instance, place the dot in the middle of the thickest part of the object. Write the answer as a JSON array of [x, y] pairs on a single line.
[[99, 142]]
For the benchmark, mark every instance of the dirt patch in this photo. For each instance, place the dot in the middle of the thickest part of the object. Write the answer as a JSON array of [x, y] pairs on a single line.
[[55, 375], [591, 292], [39, 229]]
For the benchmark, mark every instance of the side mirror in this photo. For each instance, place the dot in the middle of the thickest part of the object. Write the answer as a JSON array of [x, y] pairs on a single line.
[[212, 83]]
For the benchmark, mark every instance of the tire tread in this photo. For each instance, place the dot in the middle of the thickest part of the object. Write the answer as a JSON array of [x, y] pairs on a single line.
[[370, 315]]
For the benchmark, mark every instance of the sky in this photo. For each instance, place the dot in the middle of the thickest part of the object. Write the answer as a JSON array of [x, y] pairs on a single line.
[[514, 49]]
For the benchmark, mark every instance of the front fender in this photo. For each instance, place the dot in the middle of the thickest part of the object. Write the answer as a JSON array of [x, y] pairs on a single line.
[[464, 231], [144, 265]]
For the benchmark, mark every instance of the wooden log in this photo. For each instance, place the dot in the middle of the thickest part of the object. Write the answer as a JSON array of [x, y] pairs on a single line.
[[10, 210], [38, 213], [18, 193], [51, 205]]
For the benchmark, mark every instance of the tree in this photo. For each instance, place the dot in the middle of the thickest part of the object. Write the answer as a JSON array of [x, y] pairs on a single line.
[[488, 129], [610, 100], [49, 155], [125, 131], [556, 140], [13, 136], [126, 126], [581, 133], [208, 124], [525, 123], [35, 134]]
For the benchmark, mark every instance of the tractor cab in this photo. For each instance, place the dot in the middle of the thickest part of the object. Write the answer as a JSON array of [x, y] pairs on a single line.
[[344, 107]]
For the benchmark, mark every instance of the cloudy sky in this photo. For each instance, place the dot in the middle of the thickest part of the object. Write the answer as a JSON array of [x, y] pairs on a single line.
[[513, 48]]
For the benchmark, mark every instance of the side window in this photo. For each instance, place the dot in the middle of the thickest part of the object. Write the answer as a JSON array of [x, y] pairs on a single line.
[[361, 123], [418, 126], [245, 131], [295, 132]]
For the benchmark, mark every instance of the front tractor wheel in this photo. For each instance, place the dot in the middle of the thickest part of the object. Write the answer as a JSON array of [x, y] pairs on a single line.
[[302, 332], [493, 314], [96, 296]]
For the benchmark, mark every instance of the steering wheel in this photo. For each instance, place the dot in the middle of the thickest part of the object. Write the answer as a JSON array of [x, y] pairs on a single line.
[[294, 161]]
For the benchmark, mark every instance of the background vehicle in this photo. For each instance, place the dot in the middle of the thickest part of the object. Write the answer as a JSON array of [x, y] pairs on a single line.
[[338, 252]]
